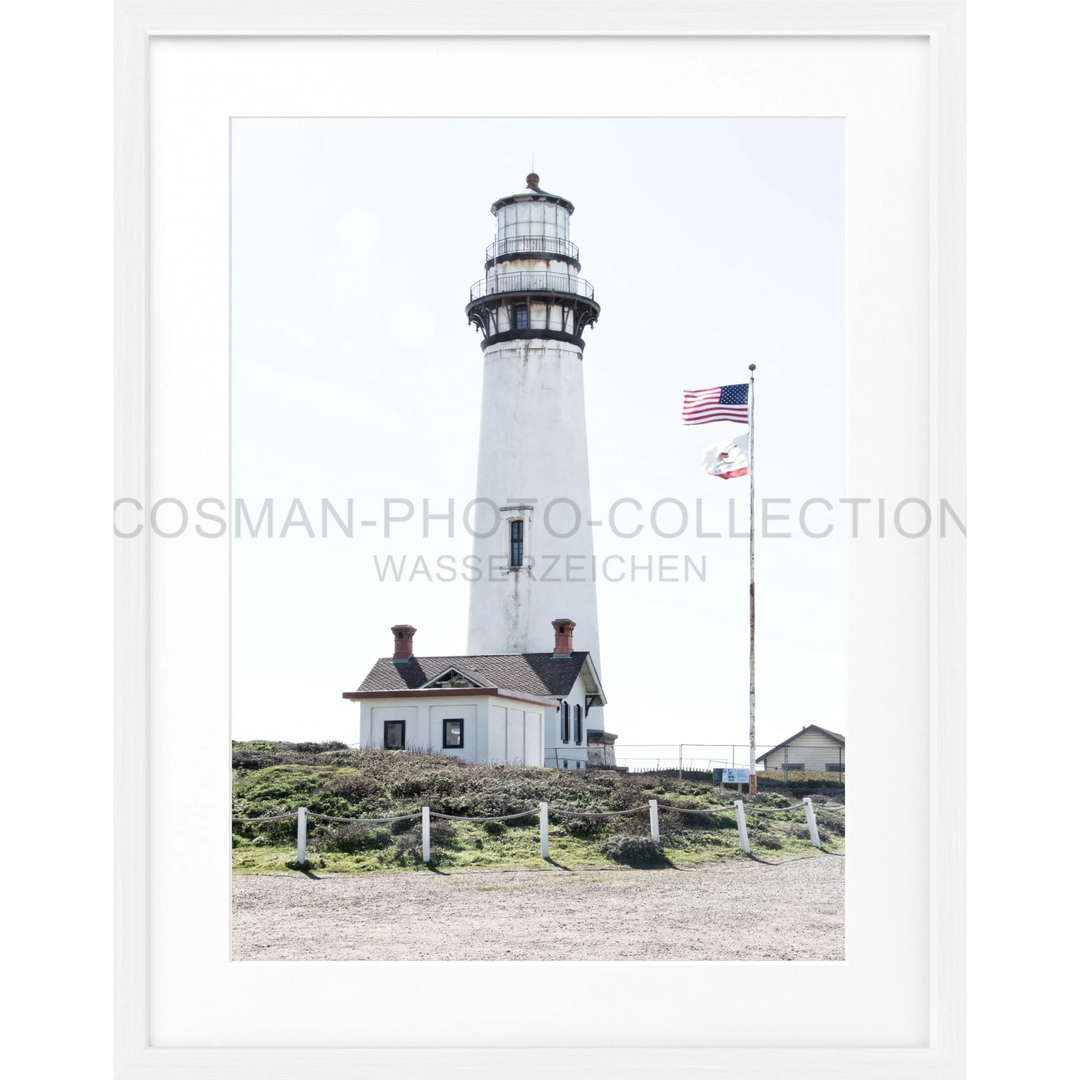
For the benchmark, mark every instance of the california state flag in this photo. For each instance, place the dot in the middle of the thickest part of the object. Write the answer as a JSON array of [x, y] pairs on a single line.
[[726, 460]]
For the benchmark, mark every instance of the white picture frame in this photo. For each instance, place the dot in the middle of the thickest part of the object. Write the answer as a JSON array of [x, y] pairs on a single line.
[[941, 25]]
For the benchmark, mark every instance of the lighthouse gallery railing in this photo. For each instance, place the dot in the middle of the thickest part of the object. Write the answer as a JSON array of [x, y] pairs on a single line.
[[535, 245], [542, 281]]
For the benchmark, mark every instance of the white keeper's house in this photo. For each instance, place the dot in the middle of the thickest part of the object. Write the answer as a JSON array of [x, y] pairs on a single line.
[[517, 708], [517, 696], [814, 749]]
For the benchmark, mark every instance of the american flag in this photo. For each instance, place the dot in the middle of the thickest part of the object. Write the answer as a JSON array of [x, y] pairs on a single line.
[[717, 403]]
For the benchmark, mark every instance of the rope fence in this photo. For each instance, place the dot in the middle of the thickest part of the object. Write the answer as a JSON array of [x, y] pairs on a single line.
[[501, 817], [543, 810], [276, 817], [364, 820], [604, 813]]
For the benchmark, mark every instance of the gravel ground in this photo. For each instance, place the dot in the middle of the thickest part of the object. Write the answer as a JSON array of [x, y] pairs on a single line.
[[737, 910]]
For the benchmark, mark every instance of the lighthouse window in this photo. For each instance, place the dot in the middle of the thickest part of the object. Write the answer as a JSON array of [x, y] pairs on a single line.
[[517, 542], [394, 734], [565, 721], [521, 317], [453, 734], [577, 724]]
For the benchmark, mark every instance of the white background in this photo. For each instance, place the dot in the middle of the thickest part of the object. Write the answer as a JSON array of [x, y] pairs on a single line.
[[712, 243], [197, 998]]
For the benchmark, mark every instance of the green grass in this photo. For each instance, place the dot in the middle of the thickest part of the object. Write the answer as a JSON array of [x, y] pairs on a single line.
[[271, 778]]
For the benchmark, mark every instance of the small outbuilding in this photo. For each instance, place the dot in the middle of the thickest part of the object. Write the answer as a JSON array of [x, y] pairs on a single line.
[[814, 749], [517, 708]]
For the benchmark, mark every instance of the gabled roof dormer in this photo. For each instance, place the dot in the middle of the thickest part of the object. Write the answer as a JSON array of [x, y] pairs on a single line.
[[453, 678]]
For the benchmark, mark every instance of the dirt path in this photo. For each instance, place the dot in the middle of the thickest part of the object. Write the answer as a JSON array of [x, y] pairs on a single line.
[[792, 910]]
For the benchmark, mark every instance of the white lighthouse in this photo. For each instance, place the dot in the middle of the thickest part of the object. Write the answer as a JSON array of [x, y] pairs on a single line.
[[534, 537], [528, 691]]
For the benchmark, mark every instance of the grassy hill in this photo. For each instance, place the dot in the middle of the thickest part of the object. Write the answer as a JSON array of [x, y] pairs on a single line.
[[328, 778]]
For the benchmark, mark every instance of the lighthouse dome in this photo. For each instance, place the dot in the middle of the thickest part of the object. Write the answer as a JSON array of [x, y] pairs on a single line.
[[533, 213], [532, 193]]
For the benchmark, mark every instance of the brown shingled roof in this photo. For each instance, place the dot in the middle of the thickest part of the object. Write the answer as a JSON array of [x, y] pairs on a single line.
[[539, 674]]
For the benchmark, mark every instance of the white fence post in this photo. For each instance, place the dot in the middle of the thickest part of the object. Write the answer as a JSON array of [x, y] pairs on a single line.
[[654, 821], [543, 831], [425, 815], [740, 817], [301, 835], [811, 820]]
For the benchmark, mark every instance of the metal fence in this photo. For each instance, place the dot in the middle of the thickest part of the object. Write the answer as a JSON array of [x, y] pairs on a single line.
[[534, 245], [698, 760], [540, 281]]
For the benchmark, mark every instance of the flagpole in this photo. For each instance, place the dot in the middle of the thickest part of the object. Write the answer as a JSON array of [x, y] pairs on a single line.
[[753, 691]]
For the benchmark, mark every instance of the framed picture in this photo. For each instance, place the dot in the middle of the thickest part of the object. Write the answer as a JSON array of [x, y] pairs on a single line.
[[896, 78]]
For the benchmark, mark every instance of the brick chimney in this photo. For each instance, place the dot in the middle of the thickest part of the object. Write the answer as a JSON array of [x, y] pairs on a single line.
[[403, 635], [564, 636]]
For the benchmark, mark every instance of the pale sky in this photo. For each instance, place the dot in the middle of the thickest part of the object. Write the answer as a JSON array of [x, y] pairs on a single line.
[[711, 243]]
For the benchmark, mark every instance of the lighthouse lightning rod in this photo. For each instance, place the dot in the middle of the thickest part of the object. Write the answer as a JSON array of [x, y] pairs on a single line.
[[753, 692]]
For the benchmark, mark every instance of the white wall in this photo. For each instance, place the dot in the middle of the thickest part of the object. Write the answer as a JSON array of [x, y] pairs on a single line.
[[495, 729], [372, 719], [423, 721], [534, 737], [456, 710], [496, 733], [515, 734], [577, 756], [533, 446]]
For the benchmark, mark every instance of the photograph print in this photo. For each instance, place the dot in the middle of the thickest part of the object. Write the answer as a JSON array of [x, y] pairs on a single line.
[[538, 532]]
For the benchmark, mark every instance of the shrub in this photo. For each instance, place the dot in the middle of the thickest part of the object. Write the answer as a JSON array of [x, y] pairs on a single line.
[[412, 842], [407, 850], [351, 838], [630, 849], [408, 786], [356, 787], [766, 840], [275, 777], [768, 798], [585, 826], [703, 821], [281, 832]]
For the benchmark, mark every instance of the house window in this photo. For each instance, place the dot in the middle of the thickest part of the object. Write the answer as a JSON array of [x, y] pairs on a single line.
[[521, 317], [394, 734], [566, 721], [517, 542], [453, 734], [834, 766], [577, 725], [793, 766]]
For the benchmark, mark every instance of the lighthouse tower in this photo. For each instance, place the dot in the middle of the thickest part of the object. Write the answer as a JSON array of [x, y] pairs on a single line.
[[532, 520]]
